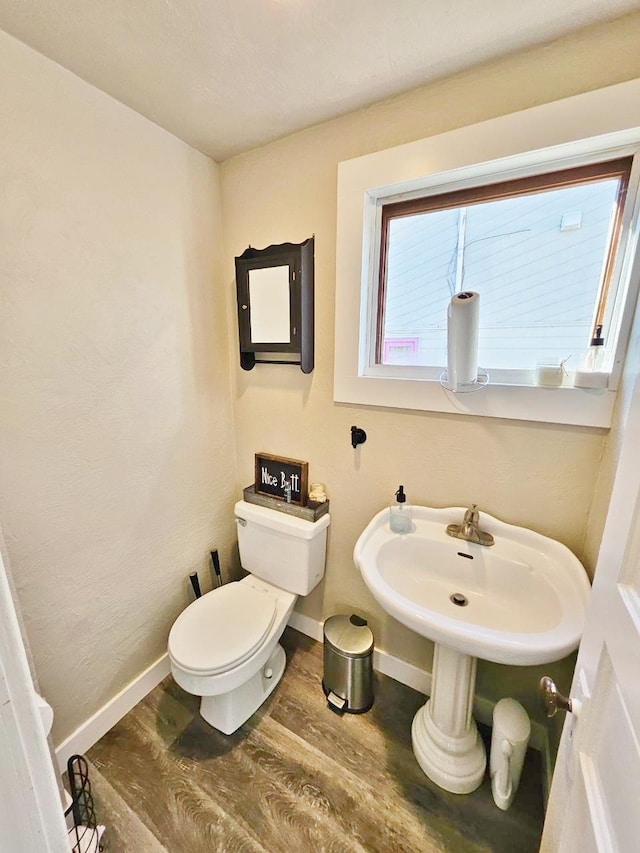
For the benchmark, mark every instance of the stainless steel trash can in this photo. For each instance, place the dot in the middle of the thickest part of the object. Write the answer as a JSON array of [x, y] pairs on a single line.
[[348, 664]]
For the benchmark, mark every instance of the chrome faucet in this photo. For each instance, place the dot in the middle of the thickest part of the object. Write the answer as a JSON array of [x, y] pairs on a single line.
[[469, 530]]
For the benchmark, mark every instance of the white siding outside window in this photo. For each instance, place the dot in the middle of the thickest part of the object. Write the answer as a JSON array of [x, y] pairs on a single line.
[[538, 284]]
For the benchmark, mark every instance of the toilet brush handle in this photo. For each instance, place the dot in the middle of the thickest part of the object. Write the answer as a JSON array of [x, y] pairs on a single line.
[[215, 563], [195, 583]]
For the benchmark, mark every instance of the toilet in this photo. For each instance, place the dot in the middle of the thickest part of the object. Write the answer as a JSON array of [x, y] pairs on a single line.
[[225, 646]]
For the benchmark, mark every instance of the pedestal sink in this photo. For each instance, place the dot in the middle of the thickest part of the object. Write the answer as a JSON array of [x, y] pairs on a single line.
[[521, 601]]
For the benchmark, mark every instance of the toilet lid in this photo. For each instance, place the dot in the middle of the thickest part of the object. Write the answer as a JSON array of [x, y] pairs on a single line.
[[221, 629]]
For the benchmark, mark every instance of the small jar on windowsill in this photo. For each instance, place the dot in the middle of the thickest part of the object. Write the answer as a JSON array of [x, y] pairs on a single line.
[[550, 371]]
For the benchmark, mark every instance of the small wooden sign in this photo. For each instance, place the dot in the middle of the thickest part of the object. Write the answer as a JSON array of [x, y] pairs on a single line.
[[275, 474]]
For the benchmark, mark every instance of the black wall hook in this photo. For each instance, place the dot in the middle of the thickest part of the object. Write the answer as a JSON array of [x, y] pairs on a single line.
[[358, 436]]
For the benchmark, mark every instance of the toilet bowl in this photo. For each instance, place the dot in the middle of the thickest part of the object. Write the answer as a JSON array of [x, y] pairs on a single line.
[[224, 647]]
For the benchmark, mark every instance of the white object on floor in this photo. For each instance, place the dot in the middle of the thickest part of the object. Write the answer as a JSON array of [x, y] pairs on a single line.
[[224, 647], [511, 732], [46, 713], [87, 839]]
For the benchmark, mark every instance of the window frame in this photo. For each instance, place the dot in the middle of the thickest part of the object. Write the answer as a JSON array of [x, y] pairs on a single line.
[[496, 191], [593, 127]]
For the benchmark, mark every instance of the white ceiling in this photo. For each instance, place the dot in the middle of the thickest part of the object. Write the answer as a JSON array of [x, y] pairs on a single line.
[[229, 75]]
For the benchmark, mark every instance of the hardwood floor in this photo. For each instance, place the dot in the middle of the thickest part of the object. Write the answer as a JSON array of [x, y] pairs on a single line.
[[295, 778]]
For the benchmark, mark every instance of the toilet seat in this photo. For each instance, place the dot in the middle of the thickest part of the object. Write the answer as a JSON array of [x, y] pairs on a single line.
[[221, 629]]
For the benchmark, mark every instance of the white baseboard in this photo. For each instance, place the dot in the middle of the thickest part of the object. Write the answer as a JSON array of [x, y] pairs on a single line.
[[90, 732], [420, 680], [306, 625], [405, 673]]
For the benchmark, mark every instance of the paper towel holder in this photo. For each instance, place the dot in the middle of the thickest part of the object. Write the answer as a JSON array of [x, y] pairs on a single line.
[[481, 381]]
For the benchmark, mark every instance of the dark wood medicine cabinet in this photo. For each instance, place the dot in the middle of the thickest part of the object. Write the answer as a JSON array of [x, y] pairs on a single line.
[[275, 305]]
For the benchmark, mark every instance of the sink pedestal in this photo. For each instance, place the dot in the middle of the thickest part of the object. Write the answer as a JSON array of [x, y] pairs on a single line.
[[445, 739]]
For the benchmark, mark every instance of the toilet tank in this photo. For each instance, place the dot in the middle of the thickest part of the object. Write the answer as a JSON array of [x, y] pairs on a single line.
[[281, 549]]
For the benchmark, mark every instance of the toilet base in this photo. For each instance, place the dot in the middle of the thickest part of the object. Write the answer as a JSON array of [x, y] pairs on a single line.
[[228, 711]]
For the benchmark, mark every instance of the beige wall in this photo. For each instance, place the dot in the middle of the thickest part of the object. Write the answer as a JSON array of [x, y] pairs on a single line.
[[537, 475], [117, 460]]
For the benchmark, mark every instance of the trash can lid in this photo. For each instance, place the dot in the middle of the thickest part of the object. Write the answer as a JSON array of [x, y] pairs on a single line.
[[349, 635]]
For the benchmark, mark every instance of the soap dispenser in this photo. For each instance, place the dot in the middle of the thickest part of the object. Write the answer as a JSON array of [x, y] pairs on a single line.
[[595, 356], [592, 373], [400, 513]]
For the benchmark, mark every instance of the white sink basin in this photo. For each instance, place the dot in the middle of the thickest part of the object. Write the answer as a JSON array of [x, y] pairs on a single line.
[[521, 601], [526, 594]]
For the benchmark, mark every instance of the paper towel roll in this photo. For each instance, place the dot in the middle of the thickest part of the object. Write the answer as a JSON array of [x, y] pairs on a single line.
[[463, 318]]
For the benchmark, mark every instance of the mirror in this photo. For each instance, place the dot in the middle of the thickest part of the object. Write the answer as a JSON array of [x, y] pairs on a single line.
[[270, 308]]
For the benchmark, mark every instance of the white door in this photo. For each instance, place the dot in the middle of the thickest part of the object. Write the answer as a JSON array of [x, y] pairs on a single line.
[[31, 818], [595, 795]]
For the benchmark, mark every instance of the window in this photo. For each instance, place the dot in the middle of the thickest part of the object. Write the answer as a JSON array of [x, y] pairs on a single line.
[[539, 211], [539, 250]]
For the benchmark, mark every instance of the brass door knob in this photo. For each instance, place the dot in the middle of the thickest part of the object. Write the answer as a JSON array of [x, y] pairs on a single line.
[[552, 700]]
